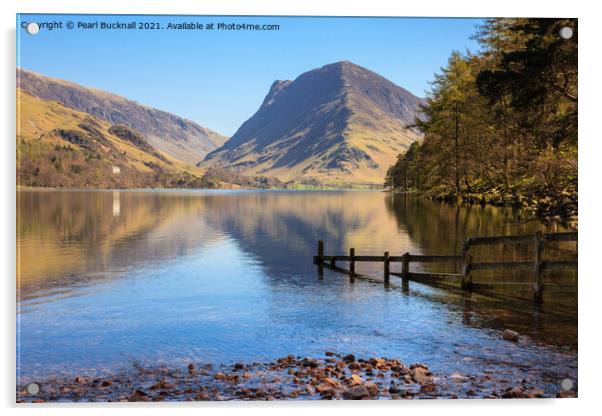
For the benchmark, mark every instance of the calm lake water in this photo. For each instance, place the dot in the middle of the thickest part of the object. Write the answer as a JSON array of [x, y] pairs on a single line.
[[111, 279]]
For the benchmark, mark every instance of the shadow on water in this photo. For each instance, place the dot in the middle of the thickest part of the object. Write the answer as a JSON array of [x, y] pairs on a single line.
[[440, 228]]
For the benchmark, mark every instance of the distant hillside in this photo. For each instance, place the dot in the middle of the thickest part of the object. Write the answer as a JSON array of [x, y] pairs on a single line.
[[340, 123], [175, 136], [58, 146]]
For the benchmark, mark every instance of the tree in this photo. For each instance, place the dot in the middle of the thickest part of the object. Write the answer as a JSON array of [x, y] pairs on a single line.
[[500, 126]]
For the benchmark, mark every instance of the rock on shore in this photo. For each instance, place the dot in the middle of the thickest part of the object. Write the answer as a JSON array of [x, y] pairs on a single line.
[[335, 376]]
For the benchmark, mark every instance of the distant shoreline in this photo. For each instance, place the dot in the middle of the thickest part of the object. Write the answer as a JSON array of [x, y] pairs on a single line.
[[43, 188]]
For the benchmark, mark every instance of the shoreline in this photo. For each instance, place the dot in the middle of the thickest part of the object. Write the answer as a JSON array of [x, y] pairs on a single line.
[[332, 377], [325, 189], [570, 222]]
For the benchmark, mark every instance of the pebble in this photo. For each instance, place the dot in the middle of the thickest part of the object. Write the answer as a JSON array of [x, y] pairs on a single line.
[[356, 393], [349, 358], [458, 378], [510, 335], [288, 377], [421, 375]]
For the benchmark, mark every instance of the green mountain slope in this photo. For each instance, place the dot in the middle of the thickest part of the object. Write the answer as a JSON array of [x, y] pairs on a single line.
[[174, 135], [58, 146]]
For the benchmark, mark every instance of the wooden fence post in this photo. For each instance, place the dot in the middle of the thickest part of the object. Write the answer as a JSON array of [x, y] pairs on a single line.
[[387, 269], [351, 264], [320, 259], [405, 271], [540, 243], [466, 260]]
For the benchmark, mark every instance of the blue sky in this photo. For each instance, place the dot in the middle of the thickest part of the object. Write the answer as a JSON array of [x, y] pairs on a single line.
[[219, 78]]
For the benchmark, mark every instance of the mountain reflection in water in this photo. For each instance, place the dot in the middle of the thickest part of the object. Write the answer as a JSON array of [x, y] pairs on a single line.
[[107, 278]]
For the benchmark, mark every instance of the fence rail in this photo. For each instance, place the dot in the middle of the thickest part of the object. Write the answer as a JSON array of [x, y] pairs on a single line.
[[538, 265]]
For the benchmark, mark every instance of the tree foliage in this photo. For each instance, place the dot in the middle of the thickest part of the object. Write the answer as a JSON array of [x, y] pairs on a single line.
[[500, 126]]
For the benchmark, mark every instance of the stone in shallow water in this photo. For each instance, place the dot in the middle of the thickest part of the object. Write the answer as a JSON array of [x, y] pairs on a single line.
[[372, 388], [356, 393], [355, 380], [421, 374], [310, 362], [458, 378], [139, 396], [349, 358], [510, 335]]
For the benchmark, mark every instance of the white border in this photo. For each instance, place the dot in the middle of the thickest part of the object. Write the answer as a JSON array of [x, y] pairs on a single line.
[[590, 176]]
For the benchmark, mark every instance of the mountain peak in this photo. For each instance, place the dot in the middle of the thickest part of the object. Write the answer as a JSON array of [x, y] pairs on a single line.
[[341, 64], [340, 123], [341, 68]]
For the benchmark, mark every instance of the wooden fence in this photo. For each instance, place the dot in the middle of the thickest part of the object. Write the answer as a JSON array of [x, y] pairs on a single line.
[[538, 264]]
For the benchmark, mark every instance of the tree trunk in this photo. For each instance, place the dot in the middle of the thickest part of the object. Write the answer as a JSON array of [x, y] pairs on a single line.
[[456, 152]]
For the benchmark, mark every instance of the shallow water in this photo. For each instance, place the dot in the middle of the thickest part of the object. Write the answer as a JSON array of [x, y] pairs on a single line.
[[111, 279]]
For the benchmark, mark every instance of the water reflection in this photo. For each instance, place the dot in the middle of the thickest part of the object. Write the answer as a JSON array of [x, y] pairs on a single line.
[[116, 203], [66, 236], [69, 238], [178, 275], [441, 228]]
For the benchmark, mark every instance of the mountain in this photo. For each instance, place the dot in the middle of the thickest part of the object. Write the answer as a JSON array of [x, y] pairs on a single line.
[[339, 124], [175, 136], [58, 146]]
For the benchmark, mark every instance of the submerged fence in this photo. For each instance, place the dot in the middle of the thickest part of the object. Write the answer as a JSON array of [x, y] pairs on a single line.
[[537, 265]]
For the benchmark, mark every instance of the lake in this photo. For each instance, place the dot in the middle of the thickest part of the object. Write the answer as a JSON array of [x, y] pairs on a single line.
[[108, 279]]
